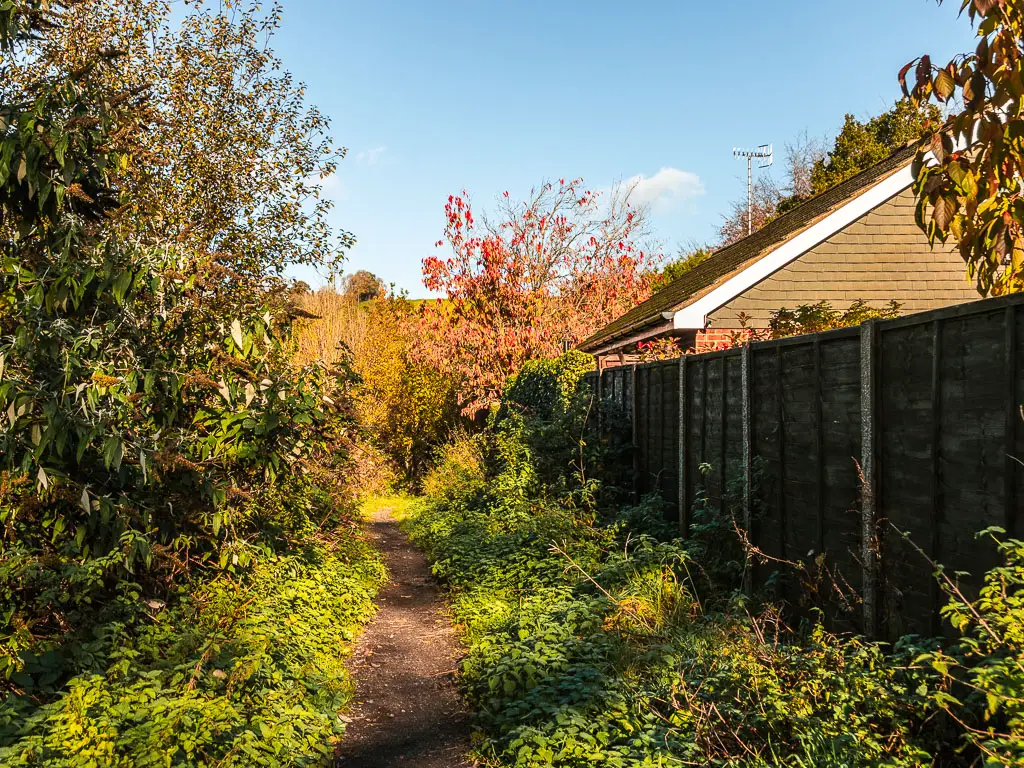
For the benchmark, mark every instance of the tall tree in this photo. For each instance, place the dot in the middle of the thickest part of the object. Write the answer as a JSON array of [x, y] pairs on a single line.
[[860, 145], [741, 220], [407, 407], [687, 259], [362, 286], [969, 168], [802, 156], [226, 156], [540, 275], [144, 387]]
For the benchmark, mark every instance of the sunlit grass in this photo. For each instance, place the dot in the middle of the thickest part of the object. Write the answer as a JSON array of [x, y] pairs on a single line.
[[401, 506]]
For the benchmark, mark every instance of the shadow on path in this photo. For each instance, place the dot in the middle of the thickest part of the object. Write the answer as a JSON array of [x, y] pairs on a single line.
[[407, 710]]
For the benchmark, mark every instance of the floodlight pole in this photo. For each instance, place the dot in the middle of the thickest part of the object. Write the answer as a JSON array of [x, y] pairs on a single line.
[[764, 152]]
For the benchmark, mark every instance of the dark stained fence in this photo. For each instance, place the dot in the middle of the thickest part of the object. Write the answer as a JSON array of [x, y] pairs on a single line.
[[829, 447]]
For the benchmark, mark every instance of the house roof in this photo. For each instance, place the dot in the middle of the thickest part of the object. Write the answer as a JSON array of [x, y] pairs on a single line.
[[732, 259]]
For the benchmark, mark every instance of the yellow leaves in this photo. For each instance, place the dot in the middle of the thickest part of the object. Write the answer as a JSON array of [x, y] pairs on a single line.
[[76, 191], [104, 380], [944, 85]]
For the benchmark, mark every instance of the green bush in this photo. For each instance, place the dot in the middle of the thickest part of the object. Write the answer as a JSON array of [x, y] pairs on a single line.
[[178, 573], [633, 669], [986, 670], [545, 388], [544, 433], [595, 643], [233, 671]]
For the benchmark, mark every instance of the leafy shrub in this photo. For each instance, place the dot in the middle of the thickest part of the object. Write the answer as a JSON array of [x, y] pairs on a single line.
[[988, 665], [595, 643], [231, 671], [814, 318], [604, 655], [458, 467], [543, 428], [405, 407], [546, 387], [177, 569]]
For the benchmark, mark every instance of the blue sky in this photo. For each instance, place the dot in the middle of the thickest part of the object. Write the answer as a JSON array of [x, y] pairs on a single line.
[[433, 96]]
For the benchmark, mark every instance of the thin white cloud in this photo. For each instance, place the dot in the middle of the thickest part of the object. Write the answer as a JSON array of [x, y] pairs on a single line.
[[371, 156], [333, 187], [664, 189]]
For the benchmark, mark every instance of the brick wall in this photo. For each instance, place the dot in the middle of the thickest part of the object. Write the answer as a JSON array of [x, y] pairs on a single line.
[[713, 339]]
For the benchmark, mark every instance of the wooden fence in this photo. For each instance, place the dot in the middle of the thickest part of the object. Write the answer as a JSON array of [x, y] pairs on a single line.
[[829, 447]]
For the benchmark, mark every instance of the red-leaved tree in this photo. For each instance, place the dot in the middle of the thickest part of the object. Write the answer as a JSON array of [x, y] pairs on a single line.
[[541, 276]]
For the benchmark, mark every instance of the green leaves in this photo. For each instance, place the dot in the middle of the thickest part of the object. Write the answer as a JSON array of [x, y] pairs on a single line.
[[224, 673], [633, 671], [142, 453]]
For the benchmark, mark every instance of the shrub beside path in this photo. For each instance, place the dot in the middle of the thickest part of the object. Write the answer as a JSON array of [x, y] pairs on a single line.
[[407, 711]]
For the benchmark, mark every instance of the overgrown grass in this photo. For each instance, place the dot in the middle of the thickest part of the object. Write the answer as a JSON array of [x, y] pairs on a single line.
[[336, 320], [401, 505], [591, 644], [234, 672]]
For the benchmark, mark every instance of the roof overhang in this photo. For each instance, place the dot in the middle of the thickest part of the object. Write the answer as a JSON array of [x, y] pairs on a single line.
[[694, 316], [691, 311], [655, 325]]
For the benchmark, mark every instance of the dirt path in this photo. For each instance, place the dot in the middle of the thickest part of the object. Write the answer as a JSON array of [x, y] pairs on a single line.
[[407, 710]]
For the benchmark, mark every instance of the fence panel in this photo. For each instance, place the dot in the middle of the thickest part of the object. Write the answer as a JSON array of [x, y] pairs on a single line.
[[668, 466], [768, 446], [800, 452], [840, 440], [928, 404], [907, 485], [731, 461]]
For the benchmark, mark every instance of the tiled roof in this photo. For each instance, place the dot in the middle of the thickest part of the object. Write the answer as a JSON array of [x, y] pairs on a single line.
[[730, 259]]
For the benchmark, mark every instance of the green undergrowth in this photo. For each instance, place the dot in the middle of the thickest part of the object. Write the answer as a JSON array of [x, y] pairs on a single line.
[[234, 671], [595, 639], [602, 654]]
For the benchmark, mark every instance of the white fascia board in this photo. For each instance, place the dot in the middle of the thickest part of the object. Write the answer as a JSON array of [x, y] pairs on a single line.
[[695, 316]]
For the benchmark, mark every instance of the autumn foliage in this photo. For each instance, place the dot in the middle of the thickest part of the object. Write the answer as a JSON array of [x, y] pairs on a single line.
[[974, 197], [541, 276]]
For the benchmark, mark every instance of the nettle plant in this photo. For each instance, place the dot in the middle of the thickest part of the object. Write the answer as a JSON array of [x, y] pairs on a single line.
[[145, 392]]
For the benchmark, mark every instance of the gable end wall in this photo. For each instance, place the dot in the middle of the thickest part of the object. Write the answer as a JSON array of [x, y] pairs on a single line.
[[880, 257]]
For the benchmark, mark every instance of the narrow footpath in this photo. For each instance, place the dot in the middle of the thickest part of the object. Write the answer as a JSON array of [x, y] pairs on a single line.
[[407, 711]]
